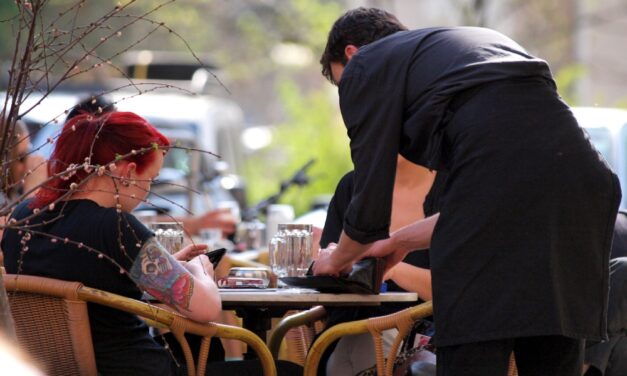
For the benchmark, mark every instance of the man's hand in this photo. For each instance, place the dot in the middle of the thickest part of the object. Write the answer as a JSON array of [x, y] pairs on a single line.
[[342, 258], [387, 249], [329, 265], [325, 265]]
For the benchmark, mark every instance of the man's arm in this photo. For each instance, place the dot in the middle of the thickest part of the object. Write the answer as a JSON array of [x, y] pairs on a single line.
[[342, 258], [416, 235], [412, 237]]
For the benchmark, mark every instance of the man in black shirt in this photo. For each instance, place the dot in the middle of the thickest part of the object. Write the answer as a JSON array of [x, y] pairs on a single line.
[[520, 253]]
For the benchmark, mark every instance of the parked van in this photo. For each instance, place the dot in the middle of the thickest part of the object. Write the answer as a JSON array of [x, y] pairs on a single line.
[[189, 181]]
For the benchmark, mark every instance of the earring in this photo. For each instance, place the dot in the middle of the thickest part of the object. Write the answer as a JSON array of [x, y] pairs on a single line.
[[126, 181]]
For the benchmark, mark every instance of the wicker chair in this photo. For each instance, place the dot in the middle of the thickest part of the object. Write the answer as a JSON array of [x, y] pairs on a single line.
[[402, 321], [297, 331], [52, 325]]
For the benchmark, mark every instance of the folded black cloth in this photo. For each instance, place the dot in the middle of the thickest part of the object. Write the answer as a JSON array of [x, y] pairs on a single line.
[[365, 278]]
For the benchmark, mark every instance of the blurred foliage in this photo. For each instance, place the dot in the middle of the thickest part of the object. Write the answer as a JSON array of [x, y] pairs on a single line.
[[241, 34], [7, 29], [312, 130], [566, 79]]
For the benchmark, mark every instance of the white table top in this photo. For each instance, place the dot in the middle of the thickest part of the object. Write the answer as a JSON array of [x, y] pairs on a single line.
[[306, 297]]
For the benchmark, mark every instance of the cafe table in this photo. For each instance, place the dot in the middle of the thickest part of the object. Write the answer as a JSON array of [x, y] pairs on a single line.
[[257, 307]]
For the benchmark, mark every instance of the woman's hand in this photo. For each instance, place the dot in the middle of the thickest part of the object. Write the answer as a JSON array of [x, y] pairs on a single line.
[[200, 266], [190, 251]]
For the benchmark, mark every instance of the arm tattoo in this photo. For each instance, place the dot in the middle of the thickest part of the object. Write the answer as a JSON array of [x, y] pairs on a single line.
[[157, 272]]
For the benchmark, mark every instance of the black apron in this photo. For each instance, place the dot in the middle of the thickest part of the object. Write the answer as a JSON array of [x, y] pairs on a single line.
[[516, 250]]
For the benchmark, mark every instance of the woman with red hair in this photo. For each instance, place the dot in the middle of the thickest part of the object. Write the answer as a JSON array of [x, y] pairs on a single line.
[[79, 228]]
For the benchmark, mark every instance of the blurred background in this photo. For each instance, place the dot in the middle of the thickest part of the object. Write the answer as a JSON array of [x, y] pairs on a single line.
[[260, 100]]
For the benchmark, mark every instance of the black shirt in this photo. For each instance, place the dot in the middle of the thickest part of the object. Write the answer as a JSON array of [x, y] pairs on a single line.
[[121, 340], [393, 95]]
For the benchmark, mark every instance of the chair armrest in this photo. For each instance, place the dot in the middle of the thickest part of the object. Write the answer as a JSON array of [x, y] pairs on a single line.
[[292, 321], [179, 325], [371, 325]]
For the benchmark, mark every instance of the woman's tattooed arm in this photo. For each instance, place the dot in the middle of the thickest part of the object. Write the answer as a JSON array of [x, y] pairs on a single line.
[[158, 273]]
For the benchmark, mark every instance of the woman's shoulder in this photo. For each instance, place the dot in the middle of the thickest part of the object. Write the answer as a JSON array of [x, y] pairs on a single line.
[[108, 219], [23, 209]]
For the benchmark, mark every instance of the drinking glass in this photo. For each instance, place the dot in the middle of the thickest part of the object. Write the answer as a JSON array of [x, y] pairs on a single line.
[[169, 234], [290, 250], [211, 237]]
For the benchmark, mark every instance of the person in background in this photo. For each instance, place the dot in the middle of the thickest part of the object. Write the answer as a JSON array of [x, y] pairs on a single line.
[[410, 203], [609, 358], [527, 208], [22, 171]]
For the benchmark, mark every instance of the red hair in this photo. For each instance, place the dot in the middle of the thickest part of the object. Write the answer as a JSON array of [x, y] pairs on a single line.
[[101, 140]]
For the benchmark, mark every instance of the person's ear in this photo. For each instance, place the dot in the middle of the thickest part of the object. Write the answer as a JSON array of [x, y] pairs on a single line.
[[131, 167], [126, 172], [350, 50]]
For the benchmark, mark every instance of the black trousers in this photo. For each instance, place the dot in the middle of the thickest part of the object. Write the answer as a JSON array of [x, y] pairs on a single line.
[[535, 356]]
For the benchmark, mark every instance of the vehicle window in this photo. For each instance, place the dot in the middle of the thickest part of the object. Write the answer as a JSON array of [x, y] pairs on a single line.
[[178, 159], [623, 156], [602, 139]]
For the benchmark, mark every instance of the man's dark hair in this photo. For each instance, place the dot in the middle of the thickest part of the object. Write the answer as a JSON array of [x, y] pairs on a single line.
[[93, 104], [358, 27]]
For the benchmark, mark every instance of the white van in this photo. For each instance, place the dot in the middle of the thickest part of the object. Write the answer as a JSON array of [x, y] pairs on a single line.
[[196, 121], [607, 128]]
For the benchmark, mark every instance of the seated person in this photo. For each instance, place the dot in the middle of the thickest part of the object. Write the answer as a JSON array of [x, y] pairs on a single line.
[[22, 171], [609, 358], [355, 353], [192, 225], [79, 228]]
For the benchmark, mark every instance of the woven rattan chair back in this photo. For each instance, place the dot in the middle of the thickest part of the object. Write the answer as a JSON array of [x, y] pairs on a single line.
[[299, 339], [52, 325], [74, 296], [293, 336]]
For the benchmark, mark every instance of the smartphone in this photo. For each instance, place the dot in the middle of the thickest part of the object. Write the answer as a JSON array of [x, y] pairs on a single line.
[[215, 256]]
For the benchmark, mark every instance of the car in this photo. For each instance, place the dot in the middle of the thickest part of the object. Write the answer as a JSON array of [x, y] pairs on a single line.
[[607, 128]]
